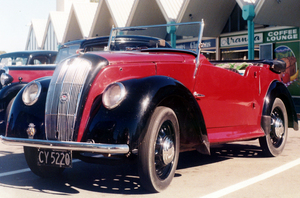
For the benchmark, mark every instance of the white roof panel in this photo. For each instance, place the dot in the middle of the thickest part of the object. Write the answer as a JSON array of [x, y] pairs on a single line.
[[38, 26], [120, 10], [146, 12], [171, 8], [59, 21], [85, 13]]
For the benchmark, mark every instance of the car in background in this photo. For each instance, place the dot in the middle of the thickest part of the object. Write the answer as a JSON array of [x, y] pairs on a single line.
[[148, 104], [19, 68], [28, 58]]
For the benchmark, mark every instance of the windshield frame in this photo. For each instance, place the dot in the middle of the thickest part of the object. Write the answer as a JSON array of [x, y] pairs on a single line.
[[114, 30]]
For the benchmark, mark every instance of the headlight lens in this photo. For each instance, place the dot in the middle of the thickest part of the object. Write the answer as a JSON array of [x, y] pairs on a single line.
[[5, 79], [113, 95], [31, 93]]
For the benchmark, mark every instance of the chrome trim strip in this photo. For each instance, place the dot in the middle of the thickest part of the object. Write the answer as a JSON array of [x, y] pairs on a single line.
[[72, 146], [199, 48]]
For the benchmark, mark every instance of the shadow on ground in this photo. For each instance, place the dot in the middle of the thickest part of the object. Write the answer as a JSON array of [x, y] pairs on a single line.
[[117, 179]]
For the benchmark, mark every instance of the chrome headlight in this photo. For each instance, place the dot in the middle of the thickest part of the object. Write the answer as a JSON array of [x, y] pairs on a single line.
[[5, 79], [113, 95], [31, 93]]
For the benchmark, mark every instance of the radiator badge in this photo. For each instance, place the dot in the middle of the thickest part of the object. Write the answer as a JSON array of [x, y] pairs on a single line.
[[64, 97]]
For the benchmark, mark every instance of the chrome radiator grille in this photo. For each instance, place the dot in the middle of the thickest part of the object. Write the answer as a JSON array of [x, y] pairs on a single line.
[[63, 98]]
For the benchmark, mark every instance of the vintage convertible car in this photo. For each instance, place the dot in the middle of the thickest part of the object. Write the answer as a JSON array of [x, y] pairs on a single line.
[[148, 105]]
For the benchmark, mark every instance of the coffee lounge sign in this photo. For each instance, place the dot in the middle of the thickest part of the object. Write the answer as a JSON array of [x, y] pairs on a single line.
[[240, 40], [281, 35]]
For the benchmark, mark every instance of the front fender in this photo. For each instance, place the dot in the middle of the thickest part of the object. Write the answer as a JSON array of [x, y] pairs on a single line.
[[278, 90], [7, 93], [127, 123], [22, 115]]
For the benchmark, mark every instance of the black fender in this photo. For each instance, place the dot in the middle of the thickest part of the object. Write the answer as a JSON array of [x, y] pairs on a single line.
[[128, 122], [278, 90], [22, 115], [7, 93], [10, 91]]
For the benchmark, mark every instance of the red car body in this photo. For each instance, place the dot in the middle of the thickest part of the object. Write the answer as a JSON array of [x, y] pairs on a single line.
[[225, 119]]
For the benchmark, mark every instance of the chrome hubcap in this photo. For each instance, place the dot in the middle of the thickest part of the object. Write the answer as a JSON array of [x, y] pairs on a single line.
[[168, 150], [164, 150], [277, 133], [278, 127]]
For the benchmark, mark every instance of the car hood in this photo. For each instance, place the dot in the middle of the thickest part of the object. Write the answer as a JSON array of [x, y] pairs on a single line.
[[121, 57]]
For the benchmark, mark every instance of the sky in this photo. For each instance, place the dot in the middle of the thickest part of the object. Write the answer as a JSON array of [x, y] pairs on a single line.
[[15, 19]]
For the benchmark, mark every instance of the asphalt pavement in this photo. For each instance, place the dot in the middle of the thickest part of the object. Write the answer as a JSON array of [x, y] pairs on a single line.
[[232, 170]]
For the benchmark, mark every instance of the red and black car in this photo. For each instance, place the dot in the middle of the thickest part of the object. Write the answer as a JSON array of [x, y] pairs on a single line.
[[148, 105]]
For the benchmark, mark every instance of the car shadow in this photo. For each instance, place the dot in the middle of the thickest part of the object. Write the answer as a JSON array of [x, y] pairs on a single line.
[[117, 179]]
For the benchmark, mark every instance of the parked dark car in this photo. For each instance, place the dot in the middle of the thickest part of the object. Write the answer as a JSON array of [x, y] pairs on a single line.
[[148, 105], [28, 58], [16, 70]]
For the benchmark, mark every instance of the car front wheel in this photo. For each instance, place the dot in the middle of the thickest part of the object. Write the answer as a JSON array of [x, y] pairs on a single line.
[[42, 171], [159, 151], [273, 143]]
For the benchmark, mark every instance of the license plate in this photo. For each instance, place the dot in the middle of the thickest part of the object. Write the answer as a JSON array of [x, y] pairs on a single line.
[[62, 159]]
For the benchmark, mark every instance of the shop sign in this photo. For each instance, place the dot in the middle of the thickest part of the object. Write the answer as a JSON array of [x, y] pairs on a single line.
[[240, 40], [281, 35], [210, 43]]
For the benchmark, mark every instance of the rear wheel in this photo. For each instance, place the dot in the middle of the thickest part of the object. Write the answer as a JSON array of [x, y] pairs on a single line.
[[274, 142], [31, 156], [159, 152]]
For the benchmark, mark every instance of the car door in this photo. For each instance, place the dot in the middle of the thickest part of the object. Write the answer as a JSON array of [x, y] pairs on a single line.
[[226, 98]]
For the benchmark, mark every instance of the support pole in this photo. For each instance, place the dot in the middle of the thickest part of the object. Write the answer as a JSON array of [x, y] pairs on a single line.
[[248, 14], [250, 40]]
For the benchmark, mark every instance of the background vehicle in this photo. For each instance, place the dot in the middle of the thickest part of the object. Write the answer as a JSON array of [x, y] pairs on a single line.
[[28, 58], [19, 68], [148, 105]]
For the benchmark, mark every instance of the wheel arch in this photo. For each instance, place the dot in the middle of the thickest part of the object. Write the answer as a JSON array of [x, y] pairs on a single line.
[[128, 122], [171, 93], [20, 114], [10, 91], [191, 121], [278, 90]]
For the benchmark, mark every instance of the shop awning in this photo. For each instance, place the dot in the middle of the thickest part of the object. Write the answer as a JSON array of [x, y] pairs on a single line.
[[278, 12]]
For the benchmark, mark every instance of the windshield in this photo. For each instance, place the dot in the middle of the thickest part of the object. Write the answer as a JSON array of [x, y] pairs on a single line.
[[181, 36], [66, 51], [10, 60]]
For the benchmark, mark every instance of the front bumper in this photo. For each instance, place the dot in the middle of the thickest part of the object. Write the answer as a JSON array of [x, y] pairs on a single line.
[[72, 146]]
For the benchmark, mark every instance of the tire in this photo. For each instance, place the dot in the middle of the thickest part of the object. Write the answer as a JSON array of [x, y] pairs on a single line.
[[8, 109], [41, 171], [274, 142], [159, 152]]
